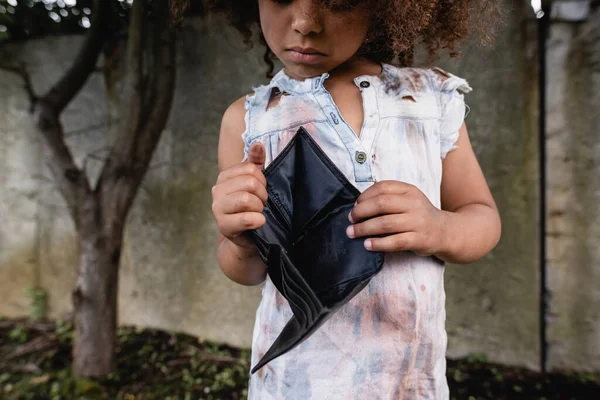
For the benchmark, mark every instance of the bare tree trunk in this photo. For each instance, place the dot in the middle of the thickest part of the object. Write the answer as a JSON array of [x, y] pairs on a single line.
[[147, 99], [100, 213], [95, 299]]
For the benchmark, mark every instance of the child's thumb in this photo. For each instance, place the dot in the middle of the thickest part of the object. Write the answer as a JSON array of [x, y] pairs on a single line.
[[257, 155]]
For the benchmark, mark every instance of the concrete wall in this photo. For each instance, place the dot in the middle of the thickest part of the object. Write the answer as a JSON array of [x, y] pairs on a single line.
[[573, 193], [169, 276], [493, 305]]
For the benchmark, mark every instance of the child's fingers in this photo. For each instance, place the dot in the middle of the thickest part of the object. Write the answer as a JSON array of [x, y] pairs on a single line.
[[399, 242], [394, 223], [245, 168], [385, 187], [242, 183], [380, 205], [257, 155], [233, 225], [239, 202]]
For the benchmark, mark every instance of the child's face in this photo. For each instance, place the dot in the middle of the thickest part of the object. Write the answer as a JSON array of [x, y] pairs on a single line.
[[309, 38]]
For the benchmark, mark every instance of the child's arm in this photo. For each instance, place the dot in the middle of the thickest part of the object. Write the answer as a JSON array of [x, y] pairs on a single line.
[[238, 200], [466, 229], [472, 223]]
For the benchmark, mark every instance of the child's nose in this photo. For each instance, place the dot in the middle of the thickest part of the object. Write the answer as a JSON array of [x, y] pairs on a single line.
[[307, 19]]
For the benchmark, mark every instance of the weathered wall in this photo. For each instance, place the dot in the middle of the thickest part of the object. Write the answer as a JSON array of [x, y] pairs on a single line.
[[169, 276], [573, 193], [18, 191], [493, 305]]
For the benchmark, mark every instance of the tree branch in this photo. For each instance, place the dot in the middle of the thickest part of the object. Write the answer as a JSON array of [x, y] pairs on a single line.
[[85, 63], [135, 88], [165, 72], [129, 161], [71, 181], [133, 102], [21, 70]]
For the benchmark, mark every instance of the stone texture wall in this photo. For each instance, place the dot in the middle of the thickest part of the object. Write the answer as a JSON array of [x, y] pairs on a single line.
[[169, 275], [573, 193], [493, 305]]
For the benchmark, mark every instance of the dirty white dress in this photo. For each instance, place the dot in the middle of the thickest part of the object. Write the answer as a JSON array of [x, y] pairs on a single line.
[[389, 341]]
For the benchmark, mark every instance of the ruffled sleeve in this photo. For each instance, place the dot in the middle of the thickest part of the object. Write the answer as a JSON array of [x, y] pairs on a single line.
[[255, 104], [453, 108], [246, 133]]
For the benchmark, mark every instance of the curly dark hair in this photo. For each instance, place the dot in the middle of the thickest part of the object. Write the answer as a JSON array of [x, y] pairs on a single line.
[[397, 26]]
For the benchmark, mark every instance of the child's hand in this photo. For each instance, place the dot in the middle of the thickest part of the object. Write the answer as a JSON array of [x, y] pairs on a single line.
[[239, 197], [400, 212]]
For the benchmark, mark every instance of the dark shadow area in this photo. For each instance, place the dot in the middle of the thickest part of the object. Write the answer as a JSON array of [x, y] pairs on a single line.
[[155, 364]]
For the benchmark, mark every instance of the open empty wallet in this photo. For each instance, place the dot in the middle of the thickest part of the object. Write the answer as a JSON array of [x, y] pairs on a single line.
[[309, 257]]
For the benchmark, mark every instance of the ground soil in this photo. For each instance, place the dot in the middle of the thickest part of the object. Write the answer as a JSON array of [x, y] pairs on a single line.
[[35, 360]]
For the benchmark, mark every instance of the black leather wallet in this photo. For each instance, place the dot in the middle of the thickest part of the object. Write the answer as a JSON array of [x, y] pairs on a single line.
[[304, 245]]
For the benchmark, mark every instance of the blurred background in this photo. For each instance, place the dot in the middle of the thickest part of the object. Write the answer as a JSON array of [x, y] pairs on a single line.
[[109, 120]]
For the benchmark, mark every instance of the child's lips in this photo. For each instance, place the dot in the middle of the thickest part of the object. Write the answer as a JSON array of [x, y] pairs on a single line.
[[305, 55]]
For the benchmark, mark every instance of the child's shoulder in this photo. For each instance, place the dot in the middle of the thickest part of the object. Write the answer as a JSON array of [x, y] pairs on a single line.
[[233, 120], [237, 109], [425, 80]]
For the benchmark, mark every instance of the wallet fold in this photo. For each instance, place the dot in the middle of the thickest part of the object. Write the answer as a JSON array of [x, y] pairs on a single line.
[[309, 258]]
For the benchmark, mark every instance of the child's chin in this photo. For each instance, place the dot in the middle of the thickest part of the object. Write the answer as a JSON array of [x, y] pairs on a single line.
[[304, 71]]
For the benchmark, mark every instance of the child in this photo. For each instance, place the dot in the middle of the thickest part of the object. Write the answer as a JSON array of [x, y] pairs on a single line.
[[398, 135]]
